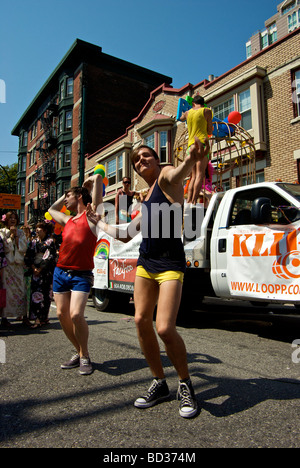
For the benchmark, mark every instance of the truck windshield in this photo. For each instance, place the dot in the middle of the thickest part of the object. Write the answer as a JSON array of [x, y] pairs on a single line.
[[292, 189]]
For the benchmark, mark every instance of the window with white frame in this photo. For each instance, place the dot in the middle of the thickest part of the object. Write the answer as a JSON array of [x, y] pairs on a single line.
[[69, 86], [248, 49], [223, 110], [68, 124], [111, 171], [272, 33], [245, 109], [293, 21], [150, 141], [264, 39], [60, 123], [120, 167], [67, 156], [59, 159], [61, 90], [163, 139], [287, 7]]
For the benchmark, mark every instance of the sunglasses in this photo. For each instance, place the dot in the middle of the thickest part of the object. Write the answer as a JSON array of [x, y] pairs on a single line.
[[127, 182]]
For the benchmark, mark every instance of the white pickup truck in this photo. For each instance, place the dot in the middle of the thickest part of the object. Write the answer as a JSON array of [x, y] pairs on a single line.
[[246, 247]]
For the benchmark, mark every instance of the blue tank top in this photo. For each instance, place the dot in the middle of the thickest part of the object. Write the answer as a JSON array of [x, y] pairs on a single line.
[[161, 248]]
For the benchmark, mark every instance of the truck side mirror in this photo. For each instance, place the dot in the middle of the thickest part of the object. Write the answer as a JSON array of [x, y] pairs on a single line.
[[261, 211]]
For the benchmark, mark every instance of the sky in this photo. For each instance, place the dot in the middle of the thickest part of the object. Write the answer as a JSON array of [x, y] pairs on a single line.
[[187, 40]]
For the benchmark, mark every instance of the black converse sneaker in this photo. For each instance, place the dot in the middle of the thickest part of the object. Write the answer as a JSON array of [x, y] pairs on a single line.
[[188, 404], [157, 392]]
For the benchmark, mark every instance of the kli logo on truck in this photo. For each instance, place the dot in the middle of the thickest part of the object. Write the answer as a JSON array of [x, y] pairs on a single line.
[[264, 261]]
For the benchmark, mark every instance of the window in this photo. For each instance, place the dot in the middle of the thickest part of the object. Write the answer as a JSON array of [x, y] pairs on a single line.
[[69, 86], [22, 216], [296, 93], [22, 188], [33, 130], [150, 141], [245, 109], [59, 159], [163, 147], [22, 163], [272, 33], [31, 184], [111, 172], [260, 177], [288, 7], [67, 156], [264, 40], [68, 124], [32, 157], [120, 168], [61, 90], [248, 49], [223, 110], [24, 139], [60, 123], [65, 185], [241, 208], [293, 21]]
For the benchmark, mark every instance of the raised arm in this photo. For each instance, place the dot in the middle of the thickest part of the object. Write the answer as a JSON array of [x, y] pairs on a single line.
[[94, 184], [56, 214], [122, 234], [176, 175], [184, 116]]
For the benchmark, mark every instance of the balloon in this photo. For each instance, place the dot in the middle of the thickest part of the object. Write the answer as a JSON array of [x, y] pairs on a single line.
[[48, 216], [134, 214], [57, 229], [63, 209], [186, 187], [103, 193], [67, 212], [100, 169], [105, 181], [234, 117]]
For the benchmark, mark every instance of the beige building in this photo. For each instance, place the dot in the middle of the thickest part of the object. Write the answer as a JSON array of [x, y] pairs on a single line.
[[264, 89]]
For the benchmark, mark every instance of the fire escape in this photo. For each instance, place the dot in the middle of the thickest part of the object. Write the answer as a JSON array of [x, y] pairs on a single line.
[[45, 175]]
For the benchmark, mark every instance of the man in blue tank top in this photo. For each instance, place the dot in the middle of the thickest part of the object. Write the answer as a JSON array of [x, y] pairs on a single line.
[[160, 272]]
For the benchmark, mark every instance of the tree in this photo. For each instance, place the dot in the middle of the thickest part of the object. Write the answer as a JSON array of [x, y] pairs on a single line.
[[8, 178]]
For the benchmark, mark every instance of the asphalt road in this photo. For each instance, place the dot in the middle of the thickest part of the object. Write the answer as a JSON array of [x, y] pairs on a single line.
[[246, 382]]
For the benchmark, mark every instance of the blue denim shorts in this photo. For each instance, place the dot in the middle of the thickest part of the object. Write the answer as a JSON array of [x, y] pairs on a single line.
[[72, 280]]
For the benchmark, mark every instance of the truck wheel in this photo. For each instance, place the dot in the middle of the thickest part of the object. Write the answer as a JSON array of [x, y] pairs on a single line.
[[105, 300], [101, 299]]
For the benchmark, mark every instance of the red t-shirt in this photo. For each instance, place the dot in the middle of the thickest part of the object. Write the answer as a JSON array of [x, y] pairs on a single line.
[[77, 249]]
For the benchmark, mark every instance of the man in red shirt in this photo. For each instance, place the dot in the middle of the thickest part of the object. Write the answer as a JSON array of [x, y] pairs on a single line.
[[73, 275]]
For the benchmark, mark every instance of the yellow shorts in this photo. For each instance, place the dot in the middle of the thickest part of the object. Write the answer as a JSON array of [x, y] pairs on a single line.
[[160, 277]]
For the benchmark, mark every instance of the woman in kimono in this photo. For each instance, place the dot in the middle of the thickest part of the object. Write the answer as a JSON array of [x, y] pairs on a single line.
[[15, 245], [40, 258]]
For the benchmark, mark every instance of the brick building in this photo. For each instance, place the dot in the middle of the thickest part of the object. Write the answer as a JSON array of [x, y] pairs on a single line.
[[286, 20], [264, 89], [86, 103]]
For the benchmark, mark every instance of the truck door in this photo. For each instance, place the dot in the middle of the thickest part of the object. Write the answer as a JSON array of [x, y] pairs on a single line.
[[258, 261]]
